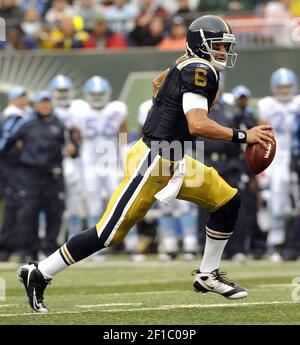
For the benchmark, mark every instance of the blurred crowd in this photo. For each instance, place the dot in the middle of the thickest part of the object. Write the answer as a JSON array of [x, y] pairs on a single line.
[[61, 159], [117, 24]]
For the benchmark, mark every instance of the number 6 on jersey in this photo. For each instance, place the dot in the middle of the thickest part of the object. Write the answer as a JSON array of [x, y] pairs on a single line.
[[200, 77]]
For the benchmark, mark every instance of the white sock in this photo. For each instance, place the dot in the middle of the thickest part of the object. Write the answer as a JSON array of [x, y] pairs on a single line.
[[52, 265], [212, 254]]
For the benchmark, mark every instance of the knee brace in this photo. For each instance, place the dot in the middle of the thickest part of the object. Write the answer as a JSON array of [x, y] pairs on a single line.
[[222, 221]]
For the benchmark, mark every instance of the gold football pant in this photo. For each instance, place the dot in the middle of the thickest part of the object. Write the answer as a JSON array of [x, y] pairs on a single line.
[[146, 174]]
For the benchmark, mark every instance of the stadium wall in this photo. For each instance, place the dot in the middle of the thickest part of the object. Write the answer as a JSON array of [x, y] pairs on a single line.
[[130, 72]]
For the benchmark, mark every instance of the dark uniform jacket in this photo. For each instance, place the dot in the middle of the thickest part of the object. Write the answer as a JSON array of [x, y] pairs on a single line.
[[39, 141]]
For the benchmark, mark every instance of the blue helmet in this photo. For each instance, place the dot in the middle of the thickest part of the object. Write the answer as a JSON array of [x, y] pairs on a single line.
[[284, 84], [61, 88], [97, 92]]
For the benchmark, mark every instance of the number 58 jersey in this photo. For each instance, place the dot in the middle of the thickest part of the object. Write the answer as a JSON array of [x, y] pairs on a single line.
[[166, 119], [97, 126]]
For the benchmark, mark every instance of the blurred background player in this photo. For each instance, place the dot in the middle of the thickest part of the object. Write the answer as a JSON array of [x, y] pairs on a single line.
[[67, 110], [100, 122], [17, 109], [178, 221], [279, 111], [291, 250]]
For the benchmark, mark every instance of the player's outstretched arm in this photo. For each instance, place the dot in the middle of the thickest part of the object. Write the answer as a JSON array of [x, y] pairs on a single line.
[[200, 125]]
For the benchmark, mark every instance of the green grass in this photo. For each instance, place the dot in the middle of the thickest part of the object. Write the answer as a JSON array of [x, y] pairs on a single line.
[[121, 292]]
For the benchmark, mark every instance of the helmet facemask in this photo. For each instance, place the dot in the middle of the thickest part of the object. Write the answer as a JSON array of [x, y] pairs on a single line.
[[62, 97], [284, 93], [229, 57], [205, 50], [98, 100]]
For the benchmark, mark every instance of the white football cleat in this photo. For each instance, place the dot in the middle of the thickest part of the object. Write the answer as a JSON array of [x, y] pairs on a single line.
[[215, 282]]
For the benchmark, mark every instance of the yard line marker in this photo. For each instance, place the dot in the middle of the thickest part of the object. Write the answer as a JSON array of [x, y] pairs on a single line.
[[161, 308], [8, 305]]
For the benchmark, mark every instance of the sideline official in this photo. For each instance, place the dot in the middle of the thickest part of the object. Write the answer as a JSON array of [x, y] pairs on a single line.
[[42, 140]]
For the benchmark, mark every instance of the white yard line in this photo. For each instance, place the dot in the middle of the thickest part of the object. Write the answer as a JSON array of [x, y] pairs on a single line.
[[8, 305], [159, 308], [155, 263], [276, 285], [107, 305], [142, 282]]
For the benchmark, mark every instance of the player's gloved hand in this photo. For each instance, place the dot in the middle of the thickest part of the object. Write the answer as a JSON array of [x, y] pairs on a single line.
[[262, 135]]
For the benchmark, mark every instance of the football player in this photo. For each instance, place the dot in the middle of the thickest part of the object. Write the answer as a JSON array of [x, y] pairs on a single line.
[[100, 123], [67, 110], [184, 95], [279, 111]]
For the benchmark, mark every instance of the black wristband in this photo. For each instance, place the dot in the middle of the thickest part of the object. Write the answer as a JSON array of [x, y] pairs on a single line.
[[239, 136]]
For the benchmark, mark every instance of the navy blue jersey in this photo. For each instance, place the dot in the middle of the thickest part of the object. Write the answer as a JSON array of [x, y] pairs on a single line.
[[166, 120]]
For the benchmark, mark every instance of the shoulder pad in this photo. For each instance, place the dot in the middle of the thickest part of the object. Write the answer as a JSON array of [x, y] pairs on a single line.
[[265, 102], [117, 107], [265, 107], [198, 76]]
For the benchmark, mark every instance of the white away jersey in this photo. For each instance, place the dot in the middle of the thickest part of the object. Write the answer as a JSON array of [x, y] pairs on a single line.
[[98, 126], [68, 116], [281, 117]]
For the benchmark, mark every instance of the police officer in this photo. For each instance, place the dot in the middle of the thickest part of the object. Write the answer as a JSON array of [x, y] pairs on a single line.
[[41, 140]]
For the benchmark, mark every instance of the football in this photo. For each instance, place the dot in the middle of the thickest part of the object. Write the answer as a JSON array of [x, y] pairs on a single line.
[[258, 158]]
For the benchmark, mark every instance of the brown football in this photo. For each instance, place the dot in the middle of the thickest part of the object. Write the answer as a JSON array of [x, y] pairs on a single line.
[[258, 158]]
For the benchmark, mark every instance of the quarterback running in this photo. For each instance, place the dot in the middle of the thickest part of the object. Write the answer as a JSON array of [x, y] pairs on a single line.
[[157, 167]]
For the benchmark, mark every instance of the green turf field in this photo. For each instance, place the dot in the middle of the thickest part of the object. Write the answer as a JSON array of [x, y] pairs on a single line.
[[121, 292]]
